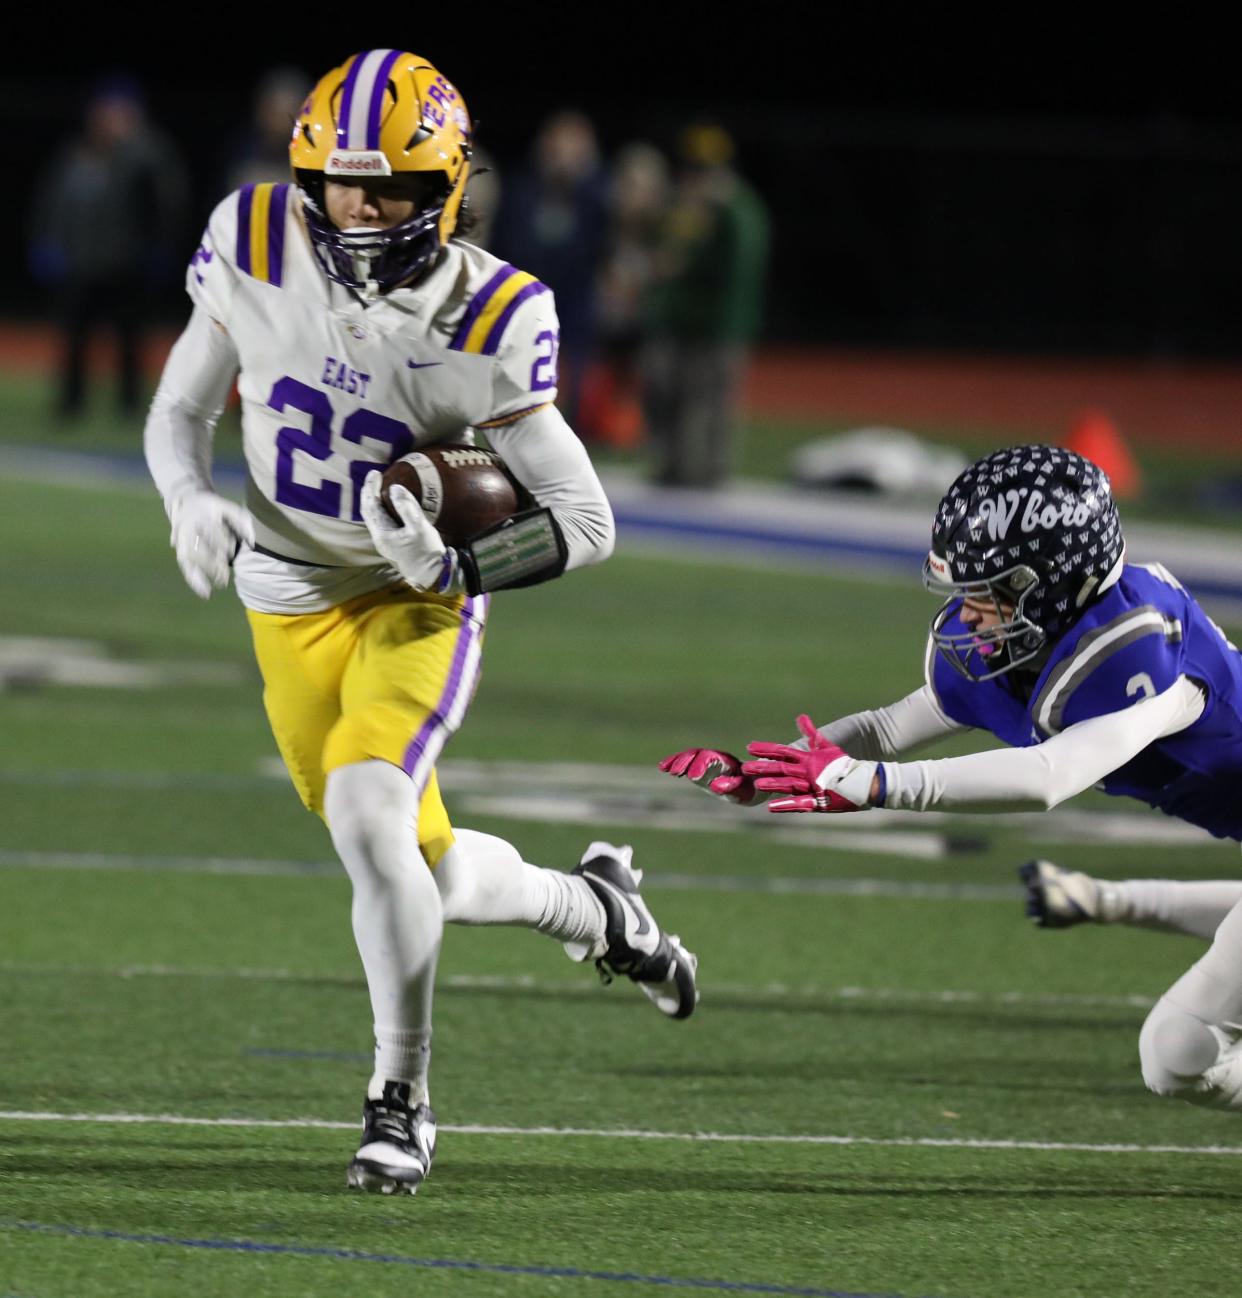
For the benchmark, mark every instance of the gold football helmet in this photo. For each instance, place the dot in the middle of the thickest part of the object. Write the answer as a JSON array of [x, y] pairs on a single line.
[[383, 113]]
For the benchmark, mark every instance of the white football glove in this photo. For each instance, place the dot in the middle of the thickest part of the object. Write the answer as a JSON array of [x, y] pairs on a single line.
[[413, 546], [207, 532]]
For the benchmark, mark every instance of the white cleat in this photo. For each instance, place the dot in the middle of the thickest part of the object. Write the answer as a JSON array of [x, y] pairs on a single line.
[[633, 943]]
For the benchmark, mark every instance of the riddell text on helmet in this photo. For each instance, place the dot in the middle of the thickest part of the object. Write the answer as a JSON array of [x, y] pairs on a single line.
[[346, 162]]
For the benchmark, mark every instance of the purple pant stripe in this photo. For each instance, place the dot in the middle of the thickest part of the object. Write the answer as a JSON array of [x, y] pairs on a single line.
[[477, 303], [276, 234], [377, 99], [497, 330], [245, 201], [443, 710]]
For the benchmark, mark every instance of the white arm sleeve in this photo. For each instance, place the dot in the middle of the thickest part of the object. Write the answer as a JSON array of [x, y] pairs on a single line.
[[552, 464], [899, 728], [1039, 777], [180, 425]]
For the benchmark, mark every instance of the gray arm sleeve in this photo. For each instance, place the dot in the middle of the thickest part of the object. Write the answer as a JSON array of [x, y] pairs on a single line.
[[908, 724], [547, 458], [1039, 777], [181, 423]]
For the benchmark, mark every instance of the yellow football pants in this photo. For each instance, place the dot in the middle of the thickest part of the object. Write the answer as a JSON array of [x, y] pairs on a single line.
[[387, 676]]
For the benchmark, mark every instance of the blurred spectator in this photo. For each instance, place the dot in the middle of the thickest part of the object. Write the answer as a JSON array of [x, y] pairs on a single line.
[[703, 311], [261, 154], [106, 229], [611, 406], [552, 222]]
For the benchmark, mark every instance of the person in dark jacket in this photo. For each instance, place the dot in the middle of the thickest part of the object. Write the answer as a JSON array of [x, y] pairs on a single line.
[[105, 227]]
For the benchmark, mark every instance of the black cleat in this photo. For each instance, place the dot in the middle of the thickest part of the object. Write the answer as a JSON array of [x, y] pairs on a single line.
[[1057, 898], [633, 943], [398, 1144]]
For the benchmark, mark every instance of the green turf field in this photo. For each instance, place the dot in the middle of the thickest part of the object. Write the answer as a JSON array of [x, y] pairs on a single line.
[[907, 1090]]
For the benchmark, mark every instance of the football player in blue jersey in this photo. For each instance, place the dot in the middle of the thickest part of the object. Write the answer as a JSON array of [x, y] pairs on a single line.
[[1097, 672]]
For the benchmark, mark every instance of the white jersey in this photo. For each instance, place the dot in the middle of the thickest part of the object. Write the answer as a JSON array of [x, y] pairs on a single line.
[[332, 388]]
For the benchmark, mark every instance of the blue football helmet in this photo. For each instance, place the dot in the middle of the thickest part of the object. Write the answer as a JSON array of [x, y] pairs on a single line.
[[1034, 530]]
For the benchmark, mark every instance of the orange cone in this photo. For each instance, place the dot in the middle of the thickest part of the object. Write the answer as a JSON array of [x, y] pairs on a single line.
[[1094, 435]]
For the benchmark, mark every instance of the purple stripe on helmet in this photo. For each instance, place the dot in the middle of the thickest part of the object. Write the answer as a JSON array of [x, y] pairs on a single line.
[[492, 342], [477, 303], [436, 722], [347, 100], [377, 99], [245, 202], [276, 234]]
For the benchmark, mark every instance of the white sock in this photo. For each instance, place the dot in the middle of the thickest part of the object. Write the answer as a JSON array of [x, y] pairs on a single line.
[[483, 880], [1172, 907], [401, 1057], [372, 812]]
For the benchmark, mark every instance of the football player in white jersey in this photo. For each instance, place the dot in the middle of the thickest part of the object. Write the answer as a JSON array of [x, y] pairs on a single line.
[[358, 328]]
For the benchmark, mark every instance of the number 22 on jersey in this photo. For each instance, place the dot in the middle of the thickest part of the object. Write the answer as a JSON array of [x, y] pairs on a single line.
[[359, 426]]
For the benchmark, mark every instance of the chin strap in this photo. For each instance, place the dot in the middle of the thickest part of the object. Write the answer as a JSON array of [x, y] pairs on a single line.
[[524, 550]]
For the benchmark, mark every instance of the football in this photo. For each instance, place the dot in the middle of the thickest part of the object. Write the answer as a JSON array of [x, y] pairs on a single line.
[[463, 489]]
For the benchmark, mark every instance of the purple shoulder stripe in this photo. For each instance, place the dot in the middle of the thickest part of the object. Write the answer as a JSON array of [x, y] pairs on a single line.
[[276, 234], [245, 202], [496, 333], [477, 303]]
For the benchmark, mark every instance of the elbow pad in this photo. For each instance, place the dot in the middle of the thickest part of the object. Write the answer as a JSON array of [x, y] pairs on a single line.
[[524, 550]]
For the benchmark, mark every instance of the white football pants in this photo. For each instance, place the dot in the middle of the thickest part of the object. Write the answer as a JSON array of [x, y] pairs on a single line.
[[400, 905], [1189, 1045]]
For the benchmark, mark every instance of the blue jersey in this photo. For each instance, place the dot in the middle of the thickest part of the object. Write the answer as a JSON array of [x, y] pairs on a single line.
[[1134, 642]]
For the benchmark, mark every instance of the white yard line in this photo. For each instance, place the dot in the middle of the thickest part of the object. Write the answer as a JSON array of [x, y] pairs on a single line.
[[586, 987], [166, 864], [627, 1133], [612, 794], [40, 661], [732, 883]]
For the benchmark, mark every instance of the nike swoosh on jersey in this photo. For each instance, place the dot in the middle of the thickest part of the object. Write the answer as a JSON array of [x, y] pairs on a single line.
[[424, 365]]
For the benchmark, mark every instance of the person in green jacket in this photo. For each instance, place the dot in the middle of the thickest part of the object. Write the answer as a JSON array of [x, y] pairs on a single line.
[[703, 312]]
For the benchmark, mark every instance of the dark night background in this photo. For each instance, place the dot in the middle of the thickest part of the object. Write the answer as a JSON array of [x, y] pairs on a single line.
[[981, 187]]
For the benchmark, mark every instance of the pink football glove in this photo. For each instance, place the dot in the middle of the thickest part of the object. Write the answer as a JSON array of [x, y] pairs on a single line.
[[822, 777], [714, 771]]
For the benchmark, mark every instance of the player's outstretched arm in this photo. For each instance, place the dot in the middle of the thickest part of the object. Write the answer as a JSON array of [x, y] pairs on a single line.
[[207, 528], [902, 727], [885, 732], [1016, 779]]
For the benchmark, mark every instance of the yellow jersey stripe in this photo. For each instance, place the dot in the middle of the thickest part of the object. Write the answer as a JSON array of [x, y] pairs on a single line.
[[493, 309], [260, 213]]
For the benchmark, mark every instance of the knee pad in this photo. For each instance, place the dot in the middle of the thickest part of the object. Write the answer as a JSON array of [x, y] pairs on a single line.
[[1176, 1049]]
